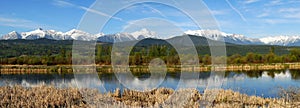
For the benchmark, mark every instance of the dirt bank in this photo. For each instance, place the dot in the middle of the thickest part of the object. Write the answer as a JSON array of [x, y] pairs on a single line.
[[27, 69]]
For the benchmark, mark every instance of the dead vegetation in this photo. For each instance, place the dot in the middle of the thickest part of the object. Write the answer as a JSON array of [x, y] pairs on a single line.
[[39, 97], [48, 96]]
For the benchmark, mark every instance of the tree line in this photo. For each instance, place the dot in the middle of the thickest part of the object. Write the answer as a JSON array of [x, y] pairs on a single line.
[[143, 55]]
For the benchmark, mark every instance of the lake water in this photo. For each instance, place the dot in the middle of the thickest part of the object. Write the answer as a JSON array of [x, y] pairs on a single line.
[[260, 83]]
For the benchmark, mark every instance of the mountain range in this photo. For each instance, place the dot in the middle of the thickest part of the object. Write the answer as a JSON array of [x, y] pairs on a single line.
[[215, 35], [78, 35]]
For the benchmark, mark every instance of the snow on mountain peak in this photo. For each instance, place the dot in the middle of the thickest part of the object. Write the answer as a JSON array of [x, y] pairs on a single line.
[[13, 32], [222, 36], [205, 32], [281, 40], [75, 31], [124, 36], [144, 33], [99, 35], [11, 35], [78, 35], [75, 34], [39, 29], [241, 39], [35, 34]]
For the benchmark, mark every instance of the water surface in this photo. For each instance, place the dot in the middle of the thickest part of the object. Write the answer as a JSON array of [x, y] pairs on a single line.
[[260, 83]]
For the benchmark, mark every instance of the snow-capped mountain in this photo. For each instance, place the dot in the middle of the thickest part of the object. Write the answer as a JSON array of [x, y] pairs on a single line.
[[40, 33], [144, 33], [122, 37], [51, 34], [282, 40], [118, 37], [12, 35], [79, 35], [221, 36], [241, 39]]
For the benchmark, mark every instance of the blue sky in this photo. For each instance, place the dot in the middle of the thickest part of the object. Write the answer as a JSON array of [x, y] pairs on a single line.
[[253, 18]]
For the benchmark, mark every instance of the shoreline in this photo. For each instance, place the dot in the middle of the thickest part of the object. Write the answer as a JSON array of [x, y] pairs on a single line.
[[49, 96], [40, 69]]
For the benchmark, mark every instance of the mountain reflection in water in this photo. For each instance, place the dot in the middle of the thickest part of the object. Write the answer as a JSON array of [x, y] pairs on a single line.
[[260, 83]]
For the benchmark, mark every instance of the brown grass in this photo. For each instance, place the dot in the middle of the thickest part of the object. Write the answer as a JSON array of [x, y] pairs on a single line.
[[38, 97], [48, 96]]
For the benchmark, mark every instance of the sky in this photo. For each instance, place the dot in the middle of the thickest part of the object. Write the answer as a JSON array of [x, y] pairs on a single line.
[[252, 18]]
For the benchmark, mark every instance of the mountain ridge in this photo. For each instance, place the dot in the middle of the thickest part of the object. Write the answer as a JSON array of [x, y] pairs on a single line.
[[216, 35], [75, 34]]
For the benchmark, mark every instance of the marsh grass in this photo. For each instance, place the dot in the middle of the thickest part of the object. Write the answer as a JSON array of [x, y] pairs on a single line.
[[291, 96], [49, 96], [38, 97]]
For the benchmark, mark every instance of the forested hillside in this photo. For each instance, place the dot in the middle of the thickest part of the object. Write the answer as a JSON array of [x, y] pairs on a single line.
[[54, 52]]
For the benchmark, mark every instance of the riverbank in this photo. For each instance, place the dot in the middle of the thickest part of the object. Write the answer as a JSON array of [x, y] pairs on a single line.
[[48, 96], [26, 69]]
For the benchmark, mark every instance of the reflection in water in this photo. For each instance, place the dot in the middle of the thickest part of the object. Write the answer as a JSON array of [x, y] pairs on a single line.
[[295, 74], [261, 83]]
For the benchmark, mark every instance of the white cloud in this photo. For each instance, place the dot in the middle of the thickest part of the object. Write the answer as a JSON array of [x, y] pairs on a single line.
[[10, 20], [250, 1], [275, 21], [237, 11], [163, 28], [22, 23], [281, 2], [155, 10], [295, 15], [62, 3], [159, 24], [284, 14], [99, 13], [274, 3], [289, 10], [218, 12], [265, 14], [280, 21], [292, 12], [186, 25]]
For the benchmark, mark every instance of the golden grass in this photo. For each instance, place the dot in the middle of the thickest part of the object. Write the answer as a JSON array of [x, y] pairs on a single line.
[[39, 97], [49, 96]]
